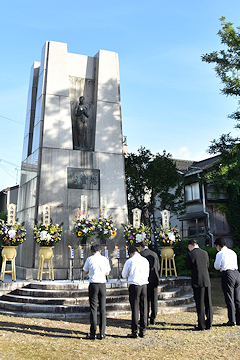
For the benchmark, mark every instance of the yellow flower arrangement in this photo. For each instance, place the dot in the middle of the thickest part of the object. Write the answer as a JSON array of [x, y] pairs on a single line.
[[134, 236], [12, 235], [105, 228], [167, 236], [47, 235]]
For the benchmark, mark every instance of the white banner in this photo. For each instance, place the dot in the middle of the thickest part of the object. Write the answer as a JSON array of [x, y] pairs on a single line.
[[46, 215], [137, 218], [103, 206], [11, 214], [165, 218], [84, 206]]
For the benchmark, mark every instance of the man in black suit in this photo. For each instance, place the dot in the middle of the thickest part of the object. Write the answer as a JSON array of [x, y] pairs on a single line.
[[198, 262], [153, 280]]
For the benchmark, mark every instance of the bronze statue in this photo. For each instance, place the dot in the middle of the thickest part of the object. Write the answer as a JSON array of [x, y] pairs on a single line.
[[81, 113]]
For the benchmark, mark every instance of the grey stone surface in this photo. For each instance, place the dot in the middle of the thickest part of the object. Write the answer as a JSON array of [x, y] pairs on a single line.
[[62, 79], [64, 299]]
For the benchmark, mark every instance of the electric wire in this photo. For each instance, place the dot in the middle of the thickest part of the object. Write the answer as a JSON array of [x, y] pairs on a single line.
[[7, 171], [4, 117]]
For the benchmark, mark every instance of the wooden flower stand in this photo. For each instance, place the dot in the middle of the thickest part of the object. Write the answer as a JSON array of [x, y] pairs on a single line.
[[8, 254], [45, 253], [167, 256]]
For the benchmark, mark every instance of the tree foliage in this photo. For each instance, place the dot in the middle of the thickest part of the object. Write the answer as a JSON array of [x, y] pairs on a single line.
[[228, 62], [225, 175], [152, 180]]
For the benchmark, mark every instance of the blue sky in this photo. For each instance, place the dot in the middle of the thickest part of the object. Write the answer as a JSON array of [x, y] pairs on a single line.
[[170, 99]]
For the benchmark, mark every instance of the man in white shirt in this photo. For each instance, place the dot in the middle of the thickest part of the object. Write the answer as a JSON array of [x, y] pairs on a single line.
[[97, 267], [226, 262], [136, 269]]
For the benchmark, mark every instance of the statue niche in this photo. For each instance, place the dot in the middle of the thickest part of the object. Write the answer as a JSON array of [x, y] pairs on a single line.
[[82, 137]]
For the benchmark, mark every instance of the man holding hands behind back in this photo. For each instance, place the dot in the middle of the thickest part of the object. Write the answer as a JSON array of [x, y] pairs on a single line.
[[136, 269], [198, 262], [97, 267], [152, 288], [226, 262]]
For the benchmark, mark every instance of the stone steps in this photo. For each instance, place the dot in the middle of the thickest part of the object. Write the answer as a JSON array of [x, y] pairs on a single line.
[[65, 300], [57, 308], [74, 316], [26, 296]]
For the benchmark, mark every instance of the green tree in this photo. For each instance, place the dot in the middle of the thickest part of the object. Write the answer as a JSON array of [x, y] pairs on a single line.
[[153, 180], [3, 216], [225, 175], [137, 182], [228, 62]]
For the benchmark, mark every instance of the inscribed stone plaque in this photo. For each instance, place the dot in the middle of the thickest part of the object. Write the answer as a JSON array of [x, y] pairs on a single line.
[[83, 179]]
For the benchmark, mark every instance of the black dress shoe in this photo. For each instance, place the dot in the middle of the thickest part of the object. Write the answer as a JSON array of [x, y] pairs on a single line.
[[209, 328], [152, 321], [91, 336], [142, 334], [101, 337], [197, 328], [229, 323], [132, 336]]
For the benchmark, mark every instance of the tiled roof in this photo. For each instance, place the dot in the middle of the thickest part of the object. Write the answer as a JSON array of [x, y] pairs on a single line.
[[193, 216], [186, 166]]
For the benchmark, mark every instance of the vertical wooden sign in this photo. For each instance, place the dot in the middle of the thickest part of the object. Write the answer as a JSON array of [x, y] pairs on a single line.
[[137, 218], [46, 215], [103, 206], [84, 206], [11, 214], [165, 218]]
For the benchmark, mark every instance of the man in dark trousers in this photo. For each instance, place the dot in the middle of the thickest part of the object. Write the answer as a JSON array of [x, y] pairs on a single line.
[[153, 280], [226, 262], [97, 267], [198, 262], [136, 270]]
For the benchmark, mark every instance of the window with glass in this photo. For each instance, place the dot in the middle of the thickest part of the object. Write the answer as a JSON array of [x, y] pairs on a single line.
[[192, 192], [193, 231]]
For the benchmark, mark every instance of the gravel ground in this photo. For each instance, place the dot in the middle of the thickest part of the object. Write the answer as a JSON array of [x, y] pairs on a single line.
[[171, 338]]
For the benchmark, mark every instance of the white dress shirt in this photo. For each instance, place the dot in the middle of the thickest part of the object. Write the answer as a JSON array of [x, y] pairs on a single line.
[[136, 269], [226, 259], [97, 266]]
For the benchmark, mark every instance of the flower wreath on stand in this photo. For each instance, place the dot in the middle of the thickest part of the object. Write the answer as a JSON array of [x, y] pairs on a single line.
[[84, 227], [47, 235], [105, 228], [134, 235], [12, 235], [167, 236]]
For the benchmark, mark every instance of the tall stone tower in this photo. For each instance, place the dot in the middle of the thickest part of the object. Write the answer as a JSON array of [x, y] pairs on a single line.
[[72, 146]]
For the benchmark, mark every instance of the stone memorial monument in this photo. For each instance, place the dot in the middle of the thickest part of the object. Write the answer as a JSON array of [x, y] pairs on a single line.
[[73, 147]]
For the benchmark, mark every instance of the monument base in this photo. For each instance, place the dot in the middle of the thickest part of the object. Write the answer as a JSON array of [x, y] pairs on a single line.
[[59, 273]]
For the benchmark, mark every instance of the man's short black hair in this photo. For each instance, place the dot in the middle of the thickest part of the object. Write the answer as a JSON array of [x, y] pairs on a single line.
[[192, 242], [220, 241], [143, 244], [132, 249], [95, 248]]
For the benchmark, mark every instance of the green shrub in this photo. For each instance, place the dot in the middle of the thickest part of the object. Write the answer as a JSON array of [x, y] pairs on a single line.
[[3, 216], [180, 251]]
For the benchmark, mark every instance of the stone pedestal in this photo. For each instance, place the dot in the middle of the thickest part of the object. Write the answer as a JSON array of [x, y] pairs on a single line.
[[71, 147]]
